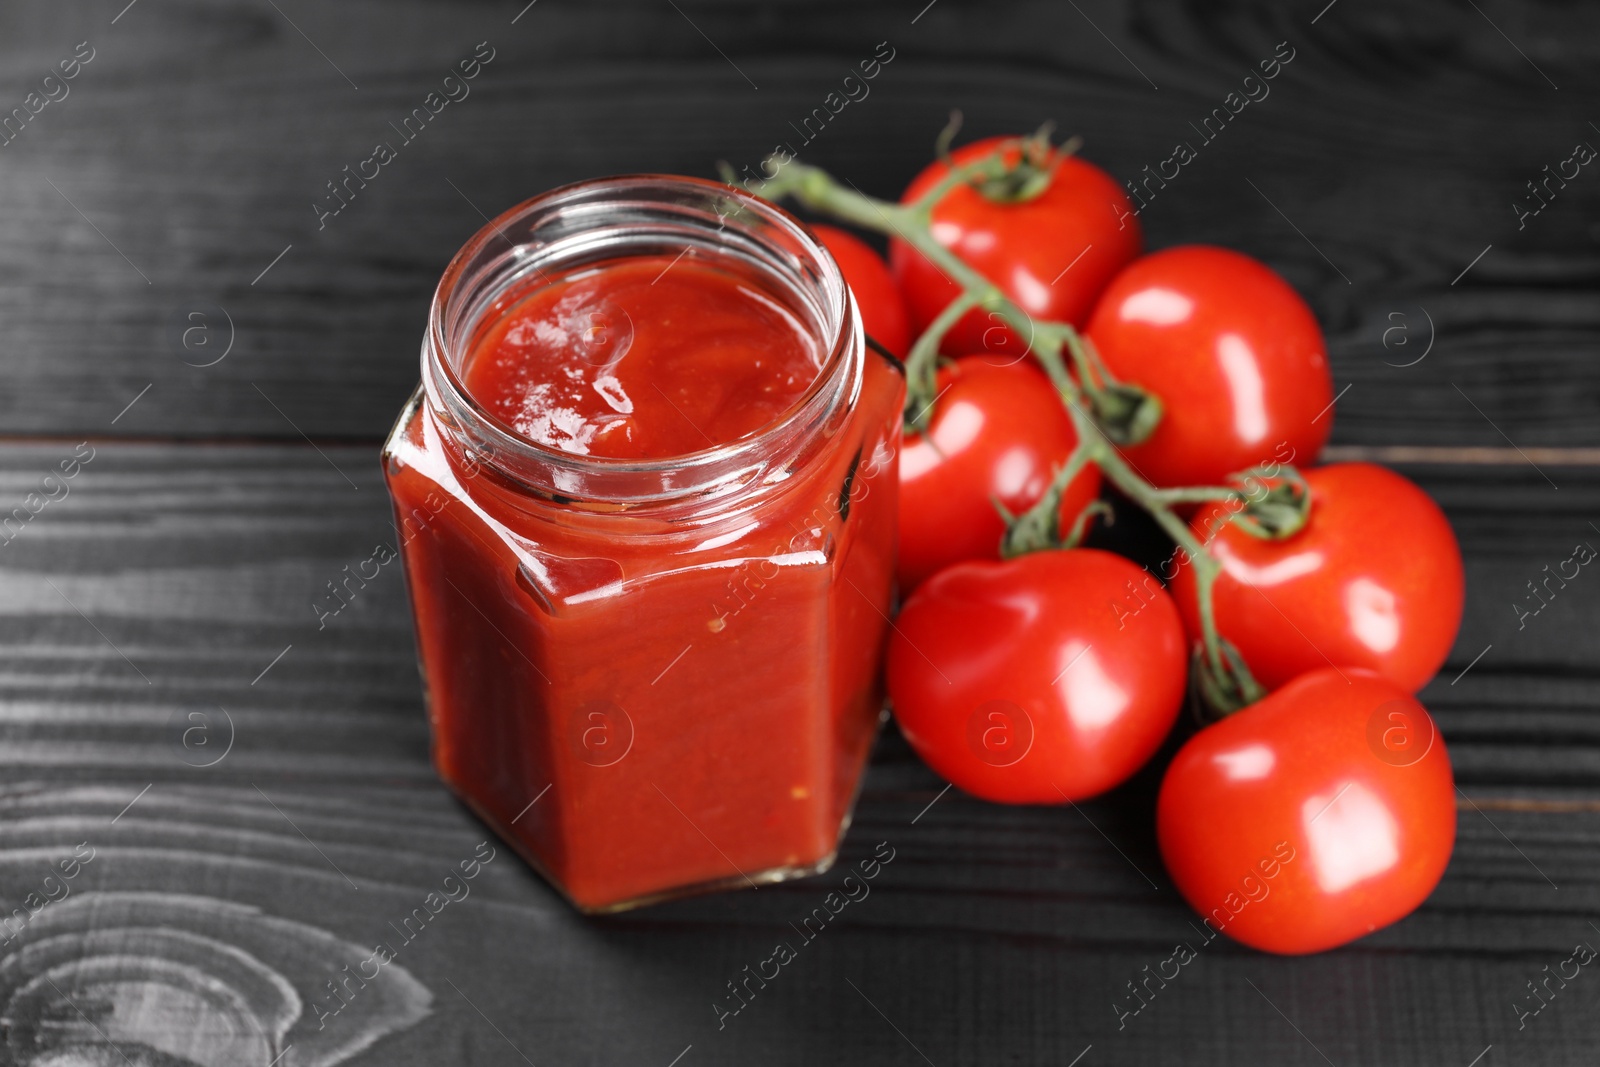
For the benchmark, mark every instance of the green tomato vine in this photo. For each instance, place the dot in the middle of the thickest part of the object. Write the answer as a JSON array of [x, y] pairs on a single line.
[[1105, 412]]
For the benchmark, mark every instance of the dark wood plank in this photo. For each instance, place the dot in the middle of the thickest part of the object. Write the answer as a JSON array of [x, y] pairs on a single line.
[[197, 139], [995, 935]]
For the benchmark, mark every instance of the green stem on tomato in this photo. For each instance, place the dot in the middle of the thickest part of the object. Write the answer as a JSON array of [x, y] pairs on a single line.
[[1039, 527], [962, 174], [1198, 494], [923, 361], [816, 189], [1090, 371]]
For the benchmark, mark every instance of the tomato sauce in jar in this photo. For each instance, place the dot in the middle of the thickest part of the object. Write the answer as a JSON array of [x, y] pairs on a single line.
[[646, 499]]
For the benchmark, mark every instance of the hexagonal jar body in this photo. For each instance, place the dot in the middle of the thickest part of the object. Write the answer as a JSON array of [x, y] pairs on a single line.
[[652, 677]]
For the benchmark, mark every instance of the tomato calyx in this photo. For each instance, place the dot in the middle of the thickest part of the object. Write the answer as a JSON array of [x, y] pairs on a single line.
[[1269, 502], [1039, 528], [1222, 686], [1003, 178], [1276, 504], [1126, 413], [922, 390]]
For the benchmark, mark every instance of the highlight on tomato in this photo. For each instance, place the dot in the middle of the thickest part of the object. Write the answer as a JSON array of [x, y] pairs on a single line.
[[1314, 817], [1043, 679], [1050, 235], [1234, 352], [1373, 579], [997, 433]]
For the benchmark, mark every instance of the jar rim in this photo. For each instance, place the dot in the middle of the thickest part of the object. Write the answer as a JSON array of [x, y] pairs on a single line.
[[691, 471]]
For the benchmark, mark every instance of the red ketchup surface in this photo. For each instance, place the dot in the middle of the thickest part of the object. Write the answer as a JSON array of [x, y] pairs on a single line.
[[648, 701], [643, 359]]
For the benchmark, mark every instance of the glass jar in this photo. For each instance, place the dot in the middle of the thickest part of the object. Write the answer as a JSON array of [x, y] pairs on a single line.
[[652, 677]]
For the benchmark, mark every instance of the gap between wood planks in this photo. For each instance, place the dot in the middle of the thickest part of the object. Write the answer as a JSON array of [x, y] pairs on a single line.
[[1413, 455], [1461, 455], [1557, 807]]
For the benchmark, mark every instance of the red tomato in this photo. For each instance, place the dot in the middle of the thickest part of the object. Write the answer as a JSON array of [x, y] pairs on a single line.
[[998, 431], [1232, 349], [883, 309], [1310, 818], [1031, 681], [1372, 580], [1052, 255]]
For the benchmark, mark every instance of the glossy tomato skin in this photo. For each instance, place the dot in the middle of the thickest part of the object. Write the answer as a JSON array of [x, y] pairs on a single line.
[[1312, 817], [883, 309], [1234, 351], [1022, 682], [1374, 579], [998, 431], [1031, 250]]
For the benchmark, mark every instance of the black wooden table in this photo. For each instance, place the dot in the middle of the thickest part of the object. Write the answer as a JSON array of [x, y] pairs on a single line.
[[210, 805]]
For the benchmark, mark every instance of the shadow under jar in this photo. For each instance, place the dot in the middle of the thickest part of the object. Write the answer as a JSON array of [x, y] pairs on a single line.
[[646, 502]]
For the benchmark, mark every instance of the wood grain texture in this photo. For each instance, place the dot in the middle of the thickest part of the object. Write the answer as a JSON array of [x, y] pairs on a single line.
[[996, 935], [189, 153], [255, 789]]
